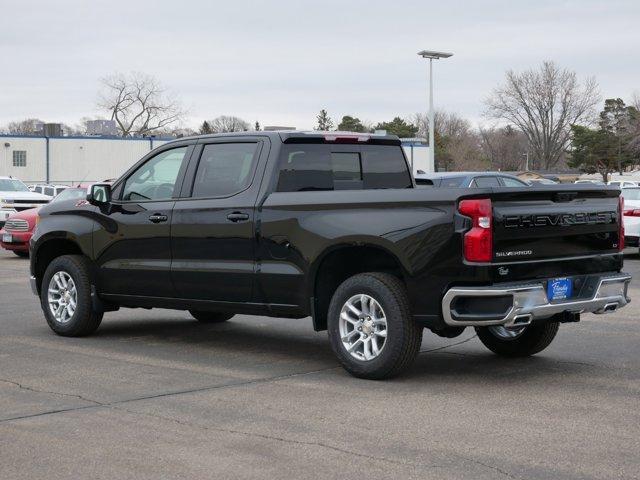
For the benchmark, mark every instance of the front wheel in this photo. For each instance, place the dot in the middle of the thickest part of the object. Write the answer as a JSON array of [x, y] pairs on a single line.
[[370, 326], [518, 342], [65, 297]]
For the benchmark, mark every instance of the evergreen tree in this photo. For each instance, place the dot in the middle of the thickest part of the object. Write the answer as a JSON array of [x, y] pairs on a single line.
[[324, 121], [398, 127], [617, 120], [205, 128], [351, 124], [591, 151]]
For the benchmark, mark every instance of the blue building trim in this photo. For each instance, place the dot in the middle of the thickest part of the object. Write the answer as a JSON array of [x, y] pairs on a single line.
[[92, 137]]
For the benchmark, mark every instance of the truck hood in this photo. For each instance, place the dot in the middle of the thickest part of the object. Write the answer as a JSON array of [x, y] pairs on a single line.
[[28, 215], [11, 196]]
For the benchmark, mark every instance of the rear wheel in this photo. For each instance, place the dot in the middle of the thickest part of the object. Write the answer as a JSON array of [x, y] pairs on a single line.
[[518, 342], [65, 297], [210, 317], [21, 254], [370, 326]]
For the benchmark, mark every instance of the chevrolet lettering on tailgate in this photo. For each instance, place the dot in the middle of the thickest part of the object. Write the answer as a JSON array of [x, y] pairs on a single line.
[[561, 219]]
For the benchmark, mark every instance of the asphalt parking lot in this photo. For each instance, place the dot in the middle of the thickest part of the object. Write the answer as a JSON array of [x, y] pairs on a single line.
[[156, 395]]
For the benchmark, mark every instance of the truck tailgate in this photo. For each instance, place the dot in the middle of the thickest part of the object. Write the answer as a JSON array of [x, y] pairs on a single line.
[[554, 222]]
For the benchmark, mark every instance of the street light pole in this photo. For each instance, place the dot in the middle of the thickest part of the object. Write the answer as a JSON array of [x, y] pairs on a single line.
[[432, 122], [432, 129]]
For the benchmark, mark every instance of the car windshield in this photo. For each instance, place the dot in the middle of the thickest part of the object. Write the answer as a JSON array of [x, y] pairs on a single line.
[[631, 193], [12, 185], [70, 193]]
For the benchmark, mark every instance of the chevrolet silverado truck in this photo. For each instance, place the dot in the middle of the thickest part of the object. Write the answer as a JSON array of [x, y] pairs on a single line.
[[15, 196], [331, 226]]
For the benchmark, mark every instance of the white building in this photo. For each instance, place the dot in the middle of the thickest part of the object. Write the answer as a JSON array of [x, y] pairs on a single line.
[[69, 160]]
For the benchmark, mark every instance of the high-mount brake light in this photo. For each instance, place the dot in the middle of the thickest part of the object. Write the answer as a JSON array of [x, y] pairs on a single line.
[[621, 212], [478, 242], [337, 138]]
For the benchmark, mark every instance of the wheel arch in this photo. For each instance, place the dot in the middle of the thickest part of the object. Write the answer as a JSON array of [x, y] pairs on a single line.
[[48, 249], [342, 261]]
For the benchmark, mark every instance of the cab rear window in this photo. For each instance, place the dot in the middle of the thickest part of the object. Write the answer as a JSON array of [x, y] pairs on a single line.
[[309, 167]]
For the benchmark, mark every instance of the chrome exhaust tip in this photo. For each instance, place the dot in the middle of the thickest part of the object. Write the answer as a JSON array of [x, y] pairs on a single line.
[[609, 308], [520, 321]]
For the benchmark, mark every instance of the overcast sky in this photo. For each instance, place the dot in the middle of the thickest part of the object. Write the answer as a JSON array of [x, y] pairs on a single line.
[[280, 62]]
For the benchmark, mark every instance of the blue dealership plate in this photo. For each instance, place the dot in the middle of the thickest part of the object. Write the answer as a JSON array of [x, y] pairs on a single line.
[[559, 289]]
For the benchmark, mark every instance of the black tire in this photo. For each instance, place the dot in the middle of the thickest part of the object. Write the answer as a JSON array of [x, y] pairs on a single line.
[[21, 254], [533, 340], [210, 317], [404, 336], [85, 320]]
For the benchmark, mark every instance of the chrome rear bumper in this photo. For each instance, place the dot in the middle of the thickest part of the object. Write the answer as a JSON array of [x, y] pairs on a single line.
[[529, 302]]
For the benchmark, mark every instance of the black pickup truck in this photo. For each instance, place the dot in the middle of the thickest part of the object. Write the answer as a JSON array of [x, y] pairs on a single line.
[[332, 226]]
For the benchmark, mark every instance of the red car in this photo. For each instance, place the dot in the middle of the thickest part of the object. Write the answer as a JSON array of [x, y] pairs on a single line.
[[19, 227]]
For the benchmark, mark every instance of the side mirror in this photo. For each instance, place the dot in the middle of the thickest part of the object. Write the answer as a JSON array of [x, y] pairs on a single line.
[[99, 194]]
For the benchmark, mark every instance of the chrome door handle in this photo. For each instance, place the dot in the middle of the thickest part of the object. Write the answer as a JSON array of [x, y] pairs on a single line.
[[157, 218]]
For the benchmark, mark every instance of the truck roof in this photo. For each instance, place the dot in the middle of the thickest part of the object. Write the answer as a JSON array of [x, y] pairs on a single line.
[[309, 136]]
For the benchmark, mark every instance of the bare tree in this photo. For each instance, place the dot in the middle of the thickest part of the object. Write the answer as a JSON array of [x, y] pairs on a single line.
[[457, 143], [504, 147], [139, 103], [227, 123], [634, 143], [28, 126], [543, 104]]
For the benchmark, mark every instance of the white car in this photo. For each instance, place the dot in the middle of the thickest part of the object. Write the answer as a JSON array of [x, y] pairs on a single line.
[[48, 190], [15, 197], [594, 182], [623, 183], [631, 216]]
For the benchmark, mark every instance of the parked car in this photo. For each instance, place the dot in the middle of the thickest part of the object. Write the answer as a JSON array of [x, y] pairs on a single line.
[[631, 216], [16, 197], [331, 226], [589, 182], [48, 190], [18, 229], [542, 181], [622, 183], [469, 179]]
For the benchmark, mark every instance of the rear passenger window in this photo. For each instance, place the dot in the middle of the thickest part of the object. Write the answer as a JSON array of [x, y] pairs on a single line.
[[484, 182], [307, 167], [452, 182], [512, 182], [225, 169]]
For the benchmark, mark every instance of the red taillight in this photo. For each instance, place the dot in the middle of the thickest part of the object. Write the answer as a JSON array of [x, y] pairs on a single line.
[[621, 225], [634, 212], [478, 242]]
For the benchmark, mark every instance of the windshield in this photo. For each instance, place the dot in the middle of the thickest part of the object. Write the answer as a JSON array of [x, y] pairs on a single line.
[[12, 185], [631, 193], [70, 193]]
